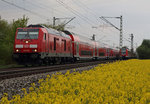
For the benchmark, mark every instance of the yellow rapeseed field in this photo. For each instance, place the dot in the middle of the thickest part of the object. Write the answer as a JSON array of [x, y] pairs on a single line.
[[123, 82]]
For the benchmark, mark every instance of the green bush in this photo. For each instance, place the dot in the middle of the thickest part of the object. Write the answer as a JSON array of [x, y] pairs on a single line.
[[7, 36], [144, 50]]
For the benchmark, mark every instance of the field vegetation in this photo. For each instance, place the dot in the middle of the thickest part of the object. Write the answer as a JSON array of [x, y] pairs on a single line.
[[123, 82]]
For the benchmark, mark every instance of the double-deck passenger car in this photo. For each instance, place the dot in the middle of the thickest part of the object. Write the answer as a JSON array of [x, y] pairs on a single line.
[[82, 47]]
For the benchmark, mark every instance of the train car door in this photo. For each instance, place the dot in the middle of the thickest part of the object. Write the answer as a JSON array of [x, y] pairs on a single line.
[[63, 46], [77, 49], [56, 45], [97, 52], [94, 51], [46, 43], [107, 51]]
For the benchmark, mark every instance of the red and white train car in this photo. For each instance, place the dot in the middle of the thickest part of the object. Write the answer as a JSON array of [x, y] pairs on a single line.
[[102, 53], [82, 47]]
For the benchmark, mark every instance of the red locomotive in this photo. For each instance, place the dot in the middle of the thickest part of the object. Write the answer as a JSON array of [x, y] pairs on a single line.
[[39, 44]]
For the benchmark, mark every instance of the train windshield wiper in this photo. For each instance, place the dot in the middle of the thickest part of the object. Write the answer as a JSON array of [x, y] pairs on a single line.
[[27, 36]]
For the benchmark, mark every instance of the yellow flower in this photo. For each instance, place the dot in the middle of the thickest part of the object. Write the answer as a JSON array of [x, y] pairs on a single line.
[[121, 82]]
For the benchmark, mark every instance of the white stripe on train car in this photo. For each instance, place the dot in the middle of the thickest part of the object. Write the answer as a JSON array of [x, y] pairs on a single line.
[[19, 46], [33, 46]]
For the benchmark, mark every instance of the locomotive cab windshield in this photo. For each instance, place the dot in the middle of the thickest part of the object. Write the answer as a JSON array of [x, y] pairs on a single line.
[[26, 40], [123, 50], [27, 34]]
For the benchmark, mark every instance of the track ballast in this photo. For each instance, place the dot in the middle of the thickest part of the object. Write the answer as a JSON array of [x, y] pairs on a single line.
[[20, 72]]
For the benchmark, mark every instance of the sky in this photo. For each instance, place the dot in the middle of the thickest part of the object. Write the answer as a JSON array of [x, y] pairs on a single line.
[[136, 15]]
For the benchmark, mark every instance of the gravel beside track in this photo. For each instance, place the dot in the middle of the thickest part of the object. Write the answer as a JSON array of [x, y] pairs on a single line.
[[13, 86], [19, 72]]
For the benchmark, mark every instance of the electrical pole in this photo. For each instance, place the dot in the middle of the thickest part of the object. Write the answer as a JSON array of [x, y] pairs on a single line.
[[54, 20], [121, 33], [132, 43], [120, 29], [93, 37]]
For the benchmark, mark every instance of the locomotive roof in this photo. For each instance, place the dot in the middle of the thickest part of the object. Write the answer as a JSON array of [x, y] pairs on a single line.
[[51, 31]]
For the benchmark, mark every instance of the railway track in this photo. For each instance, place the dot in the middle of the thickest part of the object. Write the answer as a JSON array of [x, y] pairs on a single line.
[[19, 72]]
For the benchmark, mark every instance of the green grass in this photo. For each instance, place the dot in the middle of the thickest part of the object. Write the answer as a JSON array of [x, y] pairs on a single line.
[[10, 66]]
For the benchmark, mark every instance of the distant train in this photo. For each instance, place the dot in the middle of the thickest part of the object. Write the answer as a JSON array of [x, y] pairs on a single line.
[[37, 44], [126, 54]]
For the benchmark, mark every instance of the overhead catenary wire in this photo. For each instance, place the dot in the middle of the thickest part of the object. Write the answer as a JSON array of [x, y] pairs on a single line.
[[93, 14], [39, 15], [127, 40], [30, 10], [123, 37], [75, 22], [86, 8], [75, 12], [46, 7]]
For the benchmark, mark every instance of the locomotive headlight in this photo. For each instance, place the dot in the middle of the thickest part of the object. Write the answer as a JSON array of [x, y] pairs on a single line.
[[34, 50], [27, 42], [17, 50]]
